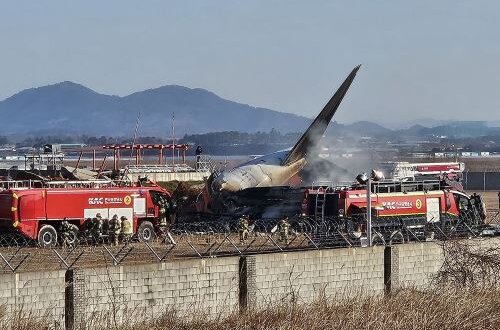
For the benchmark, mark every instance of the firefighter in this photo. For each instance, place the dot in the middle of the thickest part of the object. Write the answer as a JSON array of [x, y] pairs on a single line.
[[68, 233], [243, 228], [163, 223], [126, 229], [88, 227], [105, 226], [115, 228], [97, 226], [283, 227]]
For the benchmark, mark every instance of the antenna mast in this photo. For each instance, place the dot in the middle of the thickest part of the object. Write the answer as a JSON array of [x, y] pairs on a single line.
[[136, 129], [173, 142]]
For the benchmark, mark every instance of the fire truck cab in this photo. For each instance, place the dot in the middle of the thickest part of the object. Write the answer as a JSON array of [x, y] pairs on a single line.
[[37, 213]]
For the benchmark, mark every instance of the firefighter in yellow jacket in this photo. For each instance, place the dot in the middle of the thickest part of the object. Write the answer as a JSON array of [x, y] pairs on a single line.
[[115, 227], [126, 229], [283, 228], [243, 228]]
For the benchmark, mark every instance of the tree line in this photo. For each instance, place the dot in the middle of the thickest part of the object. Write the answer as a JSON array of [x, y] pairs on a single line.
[[228, 138]]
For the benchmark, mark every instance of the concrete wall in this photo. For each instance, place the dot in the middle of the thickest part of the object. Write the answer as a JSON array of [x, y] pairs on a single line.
[[206, 285], [414, 264], [35, 294], [306, 276]]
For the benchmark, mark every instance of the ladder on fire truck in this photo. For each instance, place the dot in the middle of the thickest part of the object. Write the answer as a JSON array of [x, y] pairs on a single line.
[[319, 210], [320, 201], [406, 186]]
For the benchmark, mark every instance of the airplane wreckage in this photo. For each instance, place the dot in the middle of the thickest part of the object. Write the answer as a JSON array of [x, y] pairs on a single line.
[[263, 186]]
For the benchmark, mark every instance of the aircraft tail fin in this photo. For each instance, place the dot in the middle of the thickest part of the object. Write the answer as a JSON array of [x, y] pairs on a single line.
[[320, 123]]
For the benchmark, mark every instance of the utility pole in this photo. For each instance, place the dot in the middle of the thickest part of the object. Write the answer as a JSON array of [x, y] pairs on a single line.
[[369, 211], [173, 142]]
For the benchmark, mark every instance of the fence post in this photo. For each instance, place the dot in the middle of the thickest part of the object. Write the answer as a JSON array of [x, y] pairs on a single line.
[[243, 284], [69, 298], [387, 269], [466, 179], [75, 302]]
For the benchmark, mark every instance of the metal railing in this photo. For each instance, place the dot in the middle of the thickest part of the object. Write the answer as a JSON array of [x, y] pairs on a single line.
[[166, 168], [4, 185], [11, 184], [208, 164]]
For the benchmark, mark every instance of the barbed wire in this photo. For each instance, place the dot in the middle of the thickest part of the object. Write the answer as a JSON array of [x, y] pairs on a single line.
[[224, 236]]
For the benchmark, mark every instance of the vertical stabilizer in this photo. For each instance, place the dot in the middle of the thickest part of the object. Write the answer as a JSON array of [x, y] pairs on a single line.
[[320, 123]]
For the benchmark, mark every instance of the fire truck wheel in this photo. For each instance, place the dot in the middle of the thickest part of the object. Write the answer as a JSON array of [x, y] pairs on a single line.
[[146, 231], [47, 236]]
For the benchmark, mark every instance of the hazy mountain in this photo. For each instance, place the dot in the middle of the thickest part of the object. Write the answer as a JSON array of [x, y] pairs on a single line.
[[69, 108], [456, 129], [72, 108], [367, 128]]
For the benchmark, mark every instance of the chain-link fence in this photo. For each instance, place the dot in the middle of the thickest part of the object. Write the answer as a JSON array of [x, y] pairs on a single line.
[[226, 237], [481, 180]]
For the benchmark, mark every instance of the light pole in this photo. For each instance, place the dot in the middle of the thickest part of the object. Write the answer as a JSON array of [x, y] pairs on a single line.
[[369, 210], [457, 154]]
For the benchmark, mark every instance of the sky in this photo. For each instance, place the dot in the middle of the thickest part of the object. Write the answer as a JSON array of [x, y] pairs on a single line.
[[420, 59]]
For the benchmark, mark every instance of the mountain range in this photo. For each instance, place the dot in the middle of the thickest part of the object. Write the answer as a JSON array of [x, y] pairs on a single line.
[[70, 108]]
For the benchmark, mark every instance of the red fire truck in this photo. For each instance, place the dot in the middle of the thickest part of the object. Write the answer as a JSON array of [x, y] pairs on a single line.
[[37, 213], [420, 207]]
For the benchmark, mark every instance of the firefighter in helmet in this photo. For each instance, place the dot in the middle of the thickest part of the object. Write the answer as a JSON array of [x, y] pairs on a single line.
[[243, 228], [115, 228], [69, 233], [105, 226], [126, 229], [283, 228], [97, 226], [163, 214]]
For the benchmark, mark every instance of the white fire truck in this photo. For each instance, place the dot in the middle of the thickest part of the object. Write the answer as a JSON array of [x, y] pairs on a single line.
[[406, 171]]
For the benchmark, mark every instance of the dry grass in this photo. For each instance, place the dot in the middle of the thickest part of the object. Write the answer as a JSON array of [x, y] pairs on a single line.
[[446, 308], [25, 320], [443, 309], [406, 309]]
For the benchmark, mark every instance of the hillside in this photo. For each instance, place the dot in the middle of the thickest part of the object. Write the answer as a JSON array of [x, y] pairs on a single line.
[[69, 108]]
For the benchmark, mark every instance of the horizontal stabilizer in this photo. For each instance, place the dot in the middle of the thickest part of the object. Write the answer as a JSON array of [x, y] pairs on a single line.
[[320, 123]]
